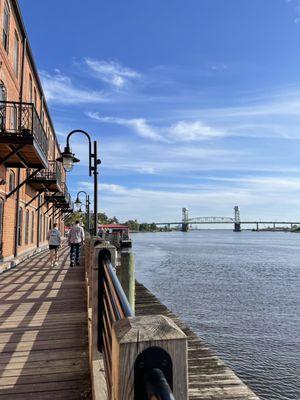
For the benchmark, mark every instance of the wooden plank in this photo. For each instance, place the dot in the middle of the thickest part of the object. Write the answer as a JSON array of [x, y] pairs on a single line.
[[43, 331]]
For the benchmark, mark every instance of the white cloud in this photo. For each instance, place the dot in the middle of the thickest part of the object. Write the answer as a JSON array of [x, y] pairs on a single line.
[[112, 72], [60, 89], [192, 131], [136, 202], [182, 131]]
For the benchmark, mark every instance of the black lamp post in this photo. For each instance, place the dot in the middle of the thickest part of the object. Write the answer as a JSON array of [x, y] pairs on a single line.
[[78, 202], [68, 159]]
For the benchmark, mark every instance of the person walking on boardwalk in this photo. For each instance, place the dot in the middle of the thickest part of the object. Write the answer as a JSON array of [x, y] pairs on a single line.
[[75, 239], [54, 240]]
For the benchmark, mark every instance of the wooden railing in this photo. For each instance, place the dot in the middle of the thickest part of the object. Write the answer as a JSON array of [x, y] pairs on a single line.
[[144, 357]]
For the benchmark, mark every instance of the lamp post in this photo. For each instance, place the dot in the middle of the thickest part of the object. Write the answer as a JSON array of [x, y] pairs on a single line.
[[68, 159], [78, 202]]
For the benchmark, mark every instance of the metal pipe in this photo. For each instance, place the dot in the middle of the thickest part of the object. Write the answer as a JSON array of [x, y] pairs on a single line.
[[22, 183], [46, 201], [17, 214], [95, 172], [33, 198], [157, 387]]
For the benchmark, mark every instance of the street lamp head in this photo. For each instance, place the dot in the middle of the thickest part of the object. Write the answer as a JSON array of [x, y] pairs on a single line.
[[77, 202], [68, 159]]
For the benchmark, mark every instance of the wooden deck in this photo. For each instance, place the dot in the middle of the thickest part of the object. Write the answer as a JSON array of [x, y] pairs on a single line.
[[209, 377], [43, 331]]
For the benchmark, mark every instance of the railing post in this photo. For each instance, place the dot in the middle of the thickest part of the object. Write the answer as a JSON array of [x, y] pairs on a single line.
[[141, 345], [126, 275]]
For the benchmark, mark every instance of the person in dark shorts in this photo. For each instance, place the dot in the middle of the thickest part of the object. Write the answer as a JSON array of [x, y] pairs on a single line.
[[54, 240], [75, 239]]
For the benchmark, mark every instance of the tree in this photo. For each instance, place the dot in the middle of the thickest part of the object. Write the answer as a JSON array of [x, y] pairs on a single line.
[[76, 216]]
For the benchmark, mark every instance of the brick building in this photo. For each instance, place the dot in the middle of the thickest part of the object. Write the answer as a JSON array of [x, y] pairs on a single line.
[[29, 174]]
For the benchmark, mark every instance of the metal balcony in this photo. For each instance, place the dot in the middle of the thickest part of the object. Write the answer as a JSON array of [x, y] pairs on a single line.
[[23, 140], [47, 179], [62, 199]]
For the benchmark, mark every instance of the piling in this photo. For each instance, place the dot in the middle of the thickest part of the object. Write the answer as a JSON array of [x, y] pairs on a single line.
[[126, 275]]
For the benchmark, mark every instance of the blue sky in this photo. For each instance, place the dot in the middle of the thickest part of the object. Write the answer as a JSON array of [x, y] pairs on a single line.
[[195, 103]]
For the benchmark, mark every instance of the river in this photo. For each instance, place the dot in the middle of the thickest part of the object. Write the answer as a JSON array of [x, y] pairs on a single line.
[[240, 292]]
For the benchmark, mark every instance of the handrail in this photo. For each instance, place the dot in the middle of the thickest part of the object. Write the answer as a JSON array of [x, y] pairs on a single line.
[[113, 306], [157, 387]]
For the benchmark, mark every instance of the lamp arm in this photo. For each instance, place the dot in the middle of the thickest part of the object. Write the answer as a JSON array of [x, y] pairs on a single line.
[[90, 146]]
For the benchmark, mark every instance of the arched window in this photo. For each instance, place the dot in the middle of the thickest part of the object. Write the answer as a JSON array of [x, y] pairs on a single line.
[[12, 180], [32, 226], [1, 225], [27, 227], [20, 226], [5, 27]]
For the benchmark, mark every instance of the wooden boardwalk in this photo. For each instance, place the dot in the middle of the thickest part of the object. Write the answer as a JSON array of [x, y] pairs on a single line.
[[43, 331], [209, 377]]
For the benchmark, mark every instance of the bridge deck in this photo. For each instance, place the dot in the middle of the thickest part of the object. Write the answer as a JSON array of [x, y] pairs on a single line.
[[43, 332]]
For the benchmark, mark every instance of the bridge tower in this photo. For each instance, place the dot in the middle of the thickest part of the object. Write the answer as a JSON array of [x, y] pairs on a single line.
[[237, 219], [185, 220]]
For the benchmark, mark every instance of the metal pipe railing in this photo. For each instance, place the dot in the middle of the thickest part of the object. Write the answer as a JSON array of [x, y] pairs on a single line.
[[157, 387], [113, 306]]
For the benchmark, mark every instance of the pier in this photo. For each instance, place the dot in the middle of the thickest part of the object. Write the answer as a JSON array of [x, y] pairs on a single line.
[[71, 333]]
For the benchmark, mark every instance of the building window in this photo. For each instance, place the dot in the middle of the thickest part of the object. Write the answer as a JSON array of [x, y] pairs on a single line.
[[27, 227], [16, 54], [5, 31], [30, 88], [32, 226], [14, 116], [1, 224], [20, 226], [12, 181]]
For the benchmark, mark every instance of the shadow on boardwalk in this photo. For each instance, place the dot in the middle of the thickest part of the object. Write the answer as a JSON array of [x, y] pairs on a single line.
[[43, 331]]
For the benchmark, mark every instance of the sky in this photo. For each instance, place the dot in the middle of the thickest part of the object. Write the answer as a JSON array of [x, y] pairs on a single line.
[[194, 103]]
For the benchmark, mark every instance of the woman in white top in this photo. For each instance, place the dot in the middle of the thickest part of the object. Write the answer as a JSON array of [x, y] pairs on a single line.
[[54, 240]]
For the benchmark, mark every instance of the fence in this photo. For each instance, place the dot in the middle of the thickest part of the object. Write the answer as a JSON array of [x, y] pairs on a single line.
[[144, 357]]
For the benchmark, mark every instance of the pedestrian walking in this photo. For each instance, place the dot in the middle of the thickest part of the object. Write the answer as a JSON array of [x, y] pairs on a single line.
[[75, 239], [54, 241]]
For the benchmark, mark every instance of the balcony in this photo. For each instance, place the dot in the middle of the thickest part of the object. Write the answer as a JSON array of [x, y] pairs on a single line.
[[47, 179], [23, 141], [62, 199]]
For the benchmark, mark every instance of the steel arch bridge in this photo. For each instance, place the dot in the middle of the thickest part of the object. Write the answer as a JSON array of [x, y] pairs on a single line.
[[210, 220]]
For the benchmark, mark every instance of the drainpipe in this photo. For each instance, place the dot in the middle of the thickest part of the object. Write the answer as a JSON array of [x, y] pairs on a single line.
[[38, 224], [18, 170], [17, 215]]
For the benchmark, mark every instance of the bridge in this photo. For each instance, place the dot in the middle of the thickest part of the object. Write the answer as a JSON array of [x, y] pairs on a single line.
[[235, 221]]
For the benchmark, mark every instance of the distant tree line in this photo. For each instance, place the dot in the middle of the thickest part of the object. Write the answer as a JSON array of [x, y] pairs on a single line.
[[103, 219]]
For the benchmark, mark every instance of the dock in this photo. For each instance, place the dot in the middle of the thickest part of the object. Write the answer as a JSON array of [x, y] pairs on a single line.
[[50, 344]]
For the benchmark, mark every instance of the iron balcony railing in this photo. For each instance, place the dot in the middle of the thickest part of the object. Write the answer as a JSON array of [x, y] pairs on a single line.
[[112, 307], [52, 173], [22, 120]]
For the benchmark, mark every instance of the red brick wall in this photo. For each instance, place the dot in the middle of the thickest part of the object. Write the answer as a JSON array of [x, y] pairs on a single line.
[[26, 193]]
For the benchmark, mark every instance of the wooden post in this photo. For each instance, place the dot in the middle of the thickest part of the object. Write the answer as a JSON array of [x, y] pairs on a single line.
[[132, 336], [96, 358], [126, 275]]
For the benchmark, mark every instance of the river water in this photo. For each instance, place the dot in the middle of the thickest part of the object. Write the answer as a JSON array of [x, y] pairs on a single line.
[[240, 292]]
